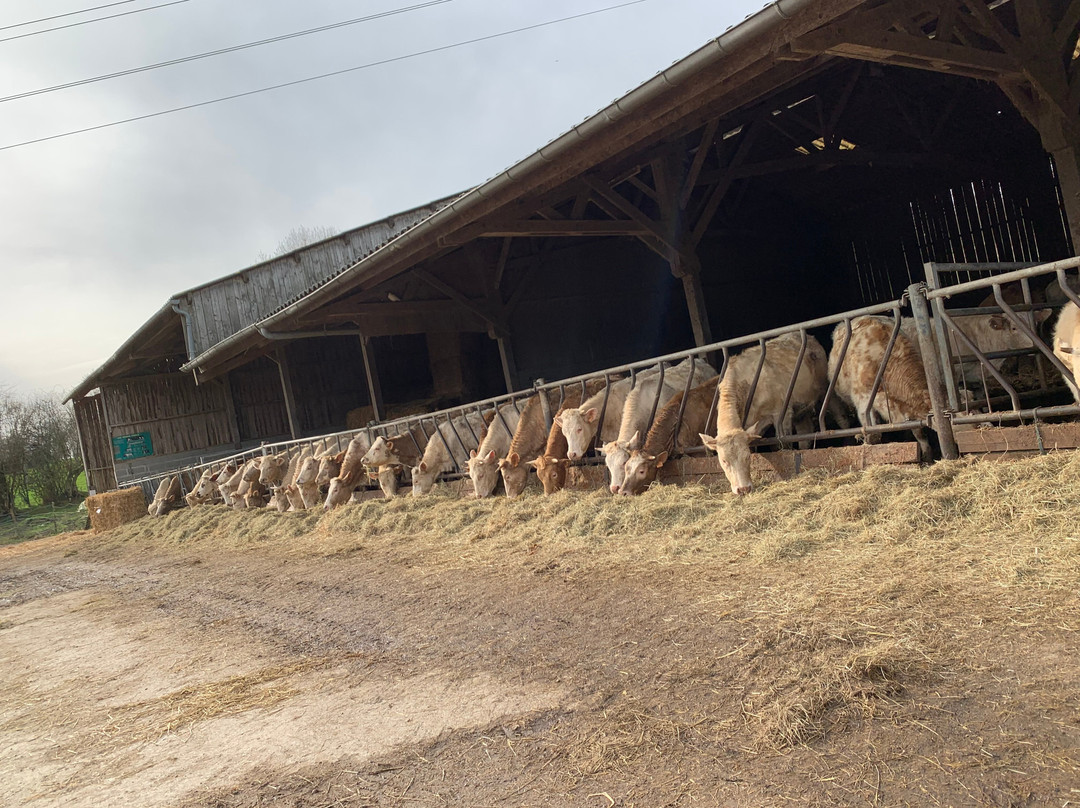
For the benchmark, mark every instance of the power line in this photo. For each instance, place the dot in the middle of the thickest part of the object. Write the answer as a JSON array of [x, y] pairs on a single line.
[[221, 51], [87, 22], [323, 75], [68, 14]]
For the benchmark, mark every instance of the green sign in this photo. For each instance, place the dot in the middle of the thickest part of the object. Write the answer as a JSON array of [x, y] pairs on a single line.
[[128, 447]]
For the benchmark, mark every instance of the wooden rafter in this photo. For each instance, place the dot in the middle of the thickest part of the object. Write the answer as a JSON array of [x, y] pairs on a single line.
[[457, 296], [708, 136]]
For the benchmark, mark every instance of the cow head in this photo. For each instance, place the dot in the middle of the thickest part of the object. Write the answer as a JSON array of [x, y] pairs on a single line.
[[640, 471], [251, 471], [579, 426], [168, 494], [423, 478], [207, 486], [378, 454], [272, 468], [515, 474], [733, 449], [616, 453], [484, 472], [280, 499], [551, 471], [340, 492], [389, 478], [329, 467], [256, 495], [306, 471]]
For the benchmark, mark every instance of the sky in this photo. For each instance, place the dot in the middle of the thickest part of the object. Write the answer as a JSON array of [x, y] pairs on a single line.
[[99, 229]]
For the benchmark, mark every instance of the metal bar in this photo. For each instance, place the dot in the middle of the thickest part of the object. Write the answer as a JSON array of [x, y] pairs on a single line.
[[794, 379], [983, 361], [1006, 277], [598, 438], [1026, 330], [941, 424], [1018, 415], [682, 405], [835, 375], [944, 345], [753, 384], [656, 399], [869, 415]]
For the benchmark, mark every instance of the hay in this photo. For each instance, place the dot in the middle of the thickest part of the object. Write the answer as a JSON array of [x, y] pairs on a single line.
[[115, 508]]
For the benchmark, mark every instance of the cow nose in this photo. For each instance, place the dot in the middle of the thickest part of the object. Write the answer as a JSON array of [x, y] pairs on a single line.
[[572, 455], [614, 488], [743, 490]]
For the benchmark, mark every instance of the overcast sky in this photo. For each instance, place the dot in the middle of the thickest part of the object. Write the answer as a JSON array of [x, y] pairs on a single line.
[[98, 230]]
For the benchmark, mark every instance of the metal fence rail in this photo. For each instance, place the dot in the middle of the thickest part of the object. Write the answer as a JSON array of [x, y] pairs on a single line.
[[921, 313]]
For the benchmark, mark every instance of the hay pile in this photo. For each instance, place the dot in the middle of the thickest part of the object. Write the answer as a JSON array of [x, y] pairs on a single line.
[[115, 508]]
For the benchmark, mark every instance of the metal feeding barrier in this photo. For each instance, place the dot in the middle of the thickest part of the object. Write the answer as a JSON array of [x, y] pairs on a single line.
[[931, 323]]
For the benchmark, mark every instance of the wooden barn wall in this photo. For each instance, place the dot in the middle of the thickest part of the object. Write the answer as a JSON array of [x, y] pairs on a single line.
[[184, 420], [598, 304], [96, 446], [328, 381], [221, 309], [259, 401]]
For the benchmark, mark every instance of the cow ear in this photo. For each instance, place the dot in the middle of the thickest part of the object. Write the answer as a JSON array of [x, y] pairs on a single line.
[[423, 465], [707, 441], [514, 458], [563, 461], [557, 420], [536, 463], [390, 445], [754, 432], [490, 456], [472, 454], [661, 459], [997, 322], [635, 441], [591, 414]]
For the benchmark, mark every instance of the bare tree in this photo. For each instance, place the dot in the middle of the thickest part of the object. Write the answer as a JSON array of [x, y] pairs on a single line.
[[300, 237], [39, 450]]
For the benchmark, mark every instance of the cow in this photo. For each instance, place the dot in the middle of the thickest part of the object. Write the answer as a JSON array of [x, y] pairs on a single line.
[[1067, 344], [250, 493], [552, 464], [660, 443], [484, 460], [306, 483], [405, 449], [351, 474], [272, 469], [286, 497], [204, 491], [532, 432], [580, 424], [903, 395], [638, 409], [448, 449], [388, 476], [166, 497], [732, 441]]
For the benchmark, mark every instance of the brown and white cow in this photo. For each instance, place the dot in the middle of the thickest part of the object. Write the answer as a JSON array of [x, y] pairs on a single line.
[[1067, 344], [205, 490], [732, 441], [351, 475], [484, 460], [166, 498], [552, 464], [647, 394], [903, 395], [449, 451], [388, 476], [306, 481], [532, 432], [272, 469], [660, 443]]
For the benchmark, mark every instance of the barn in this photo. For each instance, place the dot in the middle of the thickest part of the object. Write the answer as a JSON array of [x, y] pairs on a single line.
[[811, 160]]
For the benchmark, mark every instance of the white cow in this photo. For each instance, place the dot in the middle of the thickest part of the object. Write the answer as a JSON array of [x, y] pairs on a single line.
[[1067, 343], [484, 460], [458, 438]]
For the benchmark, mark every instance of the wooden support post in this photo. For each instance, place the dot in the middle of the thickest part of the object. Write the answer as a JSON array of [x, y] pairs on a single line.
[[230, 411], [287, 389], [371, 370], [509, 366], [1067, 161], [695, 303]]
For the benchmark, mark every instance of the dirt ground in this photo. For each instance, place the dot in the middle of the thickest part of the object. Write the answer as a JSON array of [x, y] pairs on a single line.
[[308, 670]]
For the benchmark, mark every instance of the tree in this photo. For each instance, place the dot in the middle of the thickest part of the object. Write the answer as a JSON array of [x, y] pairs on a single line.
[[39, 450], [300, 237]]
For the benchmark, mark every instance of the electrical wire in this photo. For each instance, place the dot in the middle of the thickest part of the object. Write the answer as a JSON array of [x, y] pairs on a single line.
[[391, 60], [220, 51], [67, 14], [87, 22]]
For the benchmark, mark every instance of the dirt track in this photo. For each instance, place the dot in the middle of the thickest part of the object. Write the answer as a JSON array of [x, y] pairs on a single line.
[[266, 676]]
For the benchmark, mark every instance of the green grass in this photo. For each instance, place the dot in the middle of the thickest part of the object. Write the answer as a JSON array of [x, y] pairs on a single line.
[[35, 500], [41, 521]]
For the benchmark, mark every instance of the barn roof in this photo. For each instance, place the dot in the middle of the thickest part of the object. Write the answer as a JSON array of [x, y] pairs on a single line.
[[194, 320], [729, 70]]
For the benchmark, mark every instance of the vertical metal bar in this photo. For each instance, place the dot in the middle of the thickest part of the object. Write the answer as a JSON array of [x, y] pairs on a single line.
[[944, 345], [870, 418], [835, 374], [794, 379], [753, 384], [942, 421], [981, 358], [1026, 330], [656, 398], [682, 406], [598, 438]]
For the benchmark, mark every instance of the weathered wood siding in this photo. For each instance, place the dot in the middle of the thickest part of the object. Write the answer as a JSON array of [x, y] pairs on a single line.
[[259, 401], [96, 447], [220, 309], [179, 415]]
